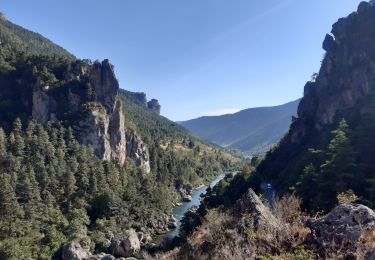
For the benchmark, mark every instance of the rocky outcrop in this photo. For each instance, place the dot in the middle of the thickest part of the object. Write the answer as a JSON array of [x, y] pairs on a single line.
[[347, 74], [42, 103], [126, 244], [138, 97], [350, 225], [343, 89], [97, 119], [77, 249], [262, 216], [117, 134], [102, 77], [138, 151], [154, 106]]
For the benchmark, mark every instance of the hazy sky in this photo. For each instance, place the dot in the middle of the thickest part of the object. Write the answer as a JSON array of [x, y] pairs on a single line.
[[198, 57]]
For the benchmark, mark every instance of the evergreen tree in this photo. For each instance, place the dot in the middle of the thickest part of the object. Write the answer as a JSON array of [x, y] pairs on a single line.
[[10, 209], [338, 171], [2, 143]]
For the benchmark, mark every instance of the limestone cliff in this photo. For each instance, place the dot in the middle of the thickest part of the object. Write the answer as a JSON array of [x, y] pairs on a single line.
[[344, 88], [137, 151], [94, 112], [347, 74]]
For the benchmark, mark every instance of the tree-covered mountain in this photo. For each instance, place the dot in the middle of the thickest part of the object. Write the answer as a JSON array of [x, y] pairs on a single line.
[[80, 161], [251, 131], [15, 37]]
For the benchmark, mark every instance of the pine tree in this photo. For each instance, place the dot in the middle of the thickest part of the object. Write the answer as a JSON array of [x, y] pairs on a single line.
[[17, 144], [308, 179], [338, 171], [2, 143], [10, 210], [28, 190]]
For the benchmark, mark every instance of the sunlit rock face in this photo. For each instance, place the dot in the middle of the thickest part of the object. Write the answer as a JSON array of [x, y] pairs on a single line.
[[96, 118]]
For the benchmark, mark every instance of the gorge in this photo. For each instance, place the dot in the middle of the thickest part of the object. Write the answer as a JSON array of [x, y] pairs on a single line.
[[91, 171]]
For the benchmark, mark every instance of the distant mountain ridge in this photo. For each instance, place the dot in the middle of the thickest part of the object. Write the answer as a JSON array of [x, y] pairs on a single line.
[[251, 131]]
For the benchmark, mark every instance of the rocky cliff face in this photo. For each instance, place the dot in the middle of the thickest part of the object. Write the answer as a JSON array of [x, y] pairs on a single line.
[[137, 150], [347, 74], [344, 88], [97, 118]]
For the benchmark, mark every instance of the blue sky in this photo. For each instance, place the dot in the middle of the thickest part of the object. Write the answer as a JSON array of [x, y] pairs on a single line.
[[198, 57]]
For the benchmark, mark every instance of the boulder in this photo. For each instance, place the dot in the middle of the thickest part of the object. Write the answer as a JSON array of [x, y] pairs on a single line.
[[126, 244], [144, 238], [102, 256], [345, 222], [77, 249], [172, 222], [262, 216]]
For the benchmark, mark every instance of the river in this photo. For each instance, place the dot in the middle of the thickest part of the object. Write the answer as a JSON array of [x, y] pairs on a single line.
[[180, 211]]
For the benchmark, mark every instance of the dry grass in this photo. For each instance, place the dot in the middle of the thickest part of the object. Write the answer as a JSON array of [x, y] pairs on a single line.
[[223, 236], [227, 236]]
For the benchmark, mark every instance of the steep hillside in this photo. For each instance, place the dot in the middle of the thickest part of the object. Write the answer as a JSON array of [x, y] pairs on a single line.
[[341, 99], [252, 131], [15, 37], [81, 163], [326, 159], [168, 141]]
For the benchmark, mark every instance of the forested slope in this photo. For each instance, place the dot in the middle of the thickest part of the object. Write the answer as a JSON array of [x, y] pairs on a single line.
[[79, 161]]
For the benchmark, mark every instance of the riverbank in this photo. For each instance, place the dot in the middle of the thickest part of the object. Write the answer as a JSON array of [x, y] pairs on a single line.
[[179, 212]]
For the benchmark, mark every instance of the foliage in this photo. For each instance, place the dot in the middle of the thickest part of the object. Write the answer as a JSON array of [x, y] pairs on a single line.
[[228, 235], [13, 36], [346, 197], [177, 157], [22, 72], [53, 189]]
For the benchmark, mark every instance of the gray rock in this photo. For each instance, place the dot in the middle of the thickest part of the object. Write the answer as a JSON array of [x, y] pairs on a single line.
[[126, 244], [345, 222], [42, 105], [117, 135], [78, 249], [102, 256], [106, 86], [172, 222], [262, 216], [138, 151], [100, 123]]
